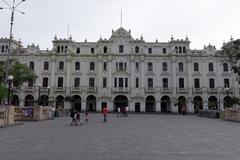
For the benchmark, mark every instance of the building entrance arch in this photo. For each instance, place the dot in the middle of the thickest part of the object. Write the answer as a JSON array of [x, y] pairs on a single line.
[[150, 105], [120, 101], [91, 103]]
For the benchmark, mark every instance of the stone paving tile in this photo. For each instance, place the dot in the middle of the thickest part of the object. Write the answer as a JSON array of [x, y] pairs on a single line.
[[137, 137]]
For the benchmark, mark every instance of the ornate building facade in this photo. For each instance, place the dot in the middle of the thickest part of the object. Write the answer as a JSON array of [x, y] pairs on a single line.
[[122, 71]]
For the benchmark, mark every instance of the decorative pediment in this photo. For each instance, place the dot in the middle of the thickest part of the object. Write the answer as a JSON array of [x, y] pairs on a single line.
[[121, 33]]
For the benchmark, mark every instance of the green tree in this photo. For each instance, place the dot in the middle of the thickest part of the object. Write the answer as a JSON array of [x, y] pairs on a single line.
[[231, 53], [3, 91]]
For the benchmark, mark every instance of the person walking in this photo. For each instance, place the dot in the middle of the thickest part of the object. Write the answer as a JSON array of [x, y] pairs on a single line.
[[105, 111], [118, 112], [183, 109], [72, 114], [86, 118], [126, 110], [78, 119]]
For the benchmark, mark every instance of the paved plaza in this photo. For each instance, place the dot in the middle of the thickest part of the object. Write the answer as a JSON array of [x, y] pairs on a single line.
[[137, 137]]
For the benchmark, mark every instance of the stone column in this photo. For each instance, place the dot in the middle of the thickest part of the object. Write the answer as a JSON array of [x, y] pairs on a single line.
[[99, 106], [142, 79], [142, 107], [53, 84], [158, 106], [110, 106], [68, 73], [83, 105], [110, 86]]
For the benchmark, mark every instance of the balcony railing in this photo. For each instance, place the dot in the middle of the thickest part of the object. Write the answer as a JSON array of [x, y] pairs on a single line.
[[212, 90], [182, 90], [29, 89], [166, 90], [120, 90], [92, 90], [197, 90], [59, 89], [75, 89], [150, 90]]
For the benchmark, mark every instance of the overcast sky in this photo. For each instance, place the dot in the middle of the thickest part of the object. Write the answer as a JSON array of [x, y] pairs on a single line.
[[204, 21]]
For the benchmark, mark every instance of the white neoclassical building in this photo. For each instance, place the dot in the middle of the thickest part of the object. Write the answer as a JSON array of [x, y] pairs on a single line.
[[122, 71]]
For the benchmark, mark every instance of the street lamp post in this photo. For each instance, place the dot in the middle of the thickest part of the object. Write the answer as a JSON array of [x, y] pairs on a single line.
[[10, 79], [49, 87], [39, 90], [12, 7]]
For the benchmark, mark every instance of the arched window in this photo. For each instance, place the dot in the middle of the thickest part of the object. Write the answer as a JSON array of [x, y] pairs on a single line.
[[225, 67], [105, 49], [62, 48], [77, 66], [136, 49], [58, 49], [150, 66], [184, 49], [176, 49], [164, 67], [180, 49], [61, 65], [210, 67], [180, 67]]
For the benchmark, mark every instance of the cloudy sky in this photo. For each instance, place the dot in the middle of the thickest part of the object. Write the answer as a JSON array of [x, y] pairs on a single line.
[[204, 21]]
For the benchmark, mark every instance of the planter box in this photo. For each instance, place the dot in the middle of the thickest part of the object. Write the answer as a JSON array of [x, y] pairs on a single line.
[[209, 114], [231, 114]]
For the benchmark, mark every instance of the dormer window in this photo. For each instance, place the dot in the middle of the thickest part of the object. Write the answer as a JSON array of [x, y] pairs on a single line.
[[164, 50], [136, 49], [105, 49], [121, 48]]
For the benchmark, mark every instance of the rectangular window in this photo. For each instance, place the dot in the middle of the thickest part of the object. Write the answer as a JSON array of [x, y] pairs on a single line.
[[92, 66], [164, 67], [45, 82], [121, 48], [196, 83], [30, 83], [121, 66], [115, 82], [210, 67], [91, 82], [226, 83], [78, 50], [164, 50], [181, 82], [150, 83], [211, 83], [46, 66], [76, 82], [137, 66], [60, 82], [120, 82], [93, 50], [105, 66], [104, 82], [117, 69], [137, 82], [165, 82], [180, 67], [196, 67], [31, 65], [126, 82], [149, 50]]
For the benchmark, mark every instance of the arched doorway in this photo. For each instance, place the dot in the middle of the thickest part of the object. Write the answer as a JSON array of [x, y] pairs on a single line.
[[15, 100], [43, 100], [198, 104], [29, 100], [120, 101], [150, 105], [77, 103], [59, 102], [181, 103], [165, 104], [91, 103], [226, 102], [212, 103]]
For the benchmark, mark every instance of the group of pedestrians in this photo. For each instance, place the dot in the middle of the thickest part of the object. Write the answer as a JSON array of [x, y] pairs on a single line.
[[122, 112], [76, 118]]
